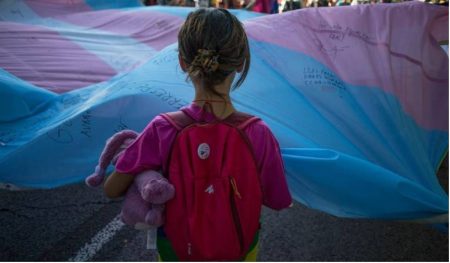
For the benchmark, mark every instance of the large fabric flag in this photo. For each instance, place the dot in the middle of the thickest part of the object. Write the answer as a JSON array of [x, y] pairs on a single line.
[[357, 96]]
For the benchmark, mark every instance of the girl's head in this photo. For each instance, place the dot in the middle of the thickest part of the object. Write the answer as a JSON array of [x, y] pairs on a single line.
[[213, 46]]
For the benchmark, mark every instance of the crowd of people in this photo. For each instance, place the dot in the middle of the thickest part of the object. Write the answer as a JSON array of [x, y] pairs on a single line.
[[275, 6], [263, 6]]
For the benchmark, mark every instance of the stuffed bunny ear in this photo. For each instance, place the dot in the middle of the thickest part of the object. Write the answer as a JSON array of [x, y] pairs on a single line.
[[113, 146], [96, 178], [112, 149], [124, 145]]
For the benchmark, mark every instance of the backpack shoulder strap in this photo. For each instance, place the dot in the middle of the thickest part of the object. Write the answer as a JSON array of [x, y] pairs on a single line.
[[240, 120], [178, 119]]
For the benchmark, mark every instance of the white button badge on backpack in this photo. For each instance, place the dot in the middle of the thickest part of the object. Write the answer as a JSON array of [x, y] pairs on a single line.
[[203, 151], [210, 189]]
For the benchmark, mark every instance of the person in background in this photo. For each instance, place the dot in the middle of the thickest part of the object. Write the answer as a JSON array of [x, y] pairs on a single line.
[[262, 6]]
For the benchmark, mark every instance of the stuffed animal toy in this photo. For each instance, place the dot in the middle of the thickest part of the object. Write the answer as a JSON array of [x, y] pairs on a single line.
[[143, 206]]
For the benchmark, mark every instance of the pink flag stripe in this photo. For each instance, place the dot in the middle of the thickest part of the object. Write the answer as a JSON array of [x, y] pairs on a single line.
[[363, 49], [155, 29], [51, 8], [37, 54]]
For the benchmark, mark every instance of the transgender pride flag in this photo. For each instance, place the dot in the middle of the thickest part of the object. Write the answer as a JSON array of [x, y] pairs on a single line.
[[357, 96]]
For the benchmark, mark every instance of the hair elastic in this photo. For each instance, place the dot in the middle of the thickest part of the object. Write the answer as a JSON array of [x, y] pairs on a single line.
[[208, 60]]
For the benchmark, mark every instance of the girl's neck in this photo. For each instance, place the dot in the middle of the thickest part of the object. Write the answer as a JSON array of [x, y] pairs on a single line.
[[221, 105]]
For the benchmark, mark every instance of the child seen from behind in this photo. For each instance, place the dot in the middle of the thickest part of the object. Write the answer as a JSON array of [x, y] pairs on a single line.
[[224, 164]]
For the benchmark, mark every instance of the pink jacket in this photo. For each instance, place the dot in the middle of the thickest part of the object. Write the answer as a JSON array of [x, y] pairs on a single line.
[[151, 150]]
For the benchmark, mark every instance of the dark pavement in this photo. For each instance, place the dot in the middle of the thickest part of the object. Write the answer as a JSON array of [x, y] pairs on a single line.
[[74, 222]]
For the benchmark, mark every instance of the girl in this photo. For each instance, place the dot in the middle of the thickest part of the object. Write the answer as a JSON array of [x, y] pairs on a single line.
[[213, 47]]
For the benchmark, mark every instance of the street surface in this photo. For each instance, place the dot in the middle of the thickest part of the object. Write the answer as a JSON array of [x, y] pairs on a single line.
[[76, 223]]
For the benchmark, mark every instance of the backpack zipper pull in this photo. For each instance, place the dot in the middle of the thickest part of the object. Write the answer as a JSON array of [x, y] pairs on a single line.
[[235, 189]]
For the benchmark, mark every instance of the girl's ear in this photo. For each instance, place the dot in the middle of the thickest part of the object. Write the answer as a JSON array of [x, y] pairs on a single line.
[[182, 63]]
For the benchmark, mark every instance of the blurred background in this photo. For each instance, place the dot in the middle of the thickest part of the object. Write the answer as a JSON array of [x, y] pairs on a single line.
[[276, 6]]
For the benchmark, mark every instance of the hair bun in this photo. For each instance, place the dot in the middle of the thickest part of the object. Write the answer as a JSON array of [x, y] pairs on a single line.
[[207, 60]]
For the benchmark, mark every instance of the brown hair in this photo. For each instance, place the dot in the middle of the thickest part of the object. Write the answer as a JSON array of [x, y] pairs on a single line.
[[213, 44]]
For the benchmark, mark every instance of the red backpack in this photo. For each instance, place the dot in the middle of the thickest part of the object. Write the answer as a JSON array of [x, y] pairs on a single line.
[[216, 209]]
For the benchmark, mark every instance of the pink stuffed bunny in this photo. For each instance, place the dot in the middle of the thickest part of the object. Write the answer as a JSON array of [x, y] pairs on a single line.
[[144, 200]]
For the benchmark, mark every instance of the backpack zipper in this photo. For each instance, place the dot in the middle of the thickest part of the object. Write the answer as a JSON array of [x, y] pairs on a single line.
[[235, 213], [189, 249]]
